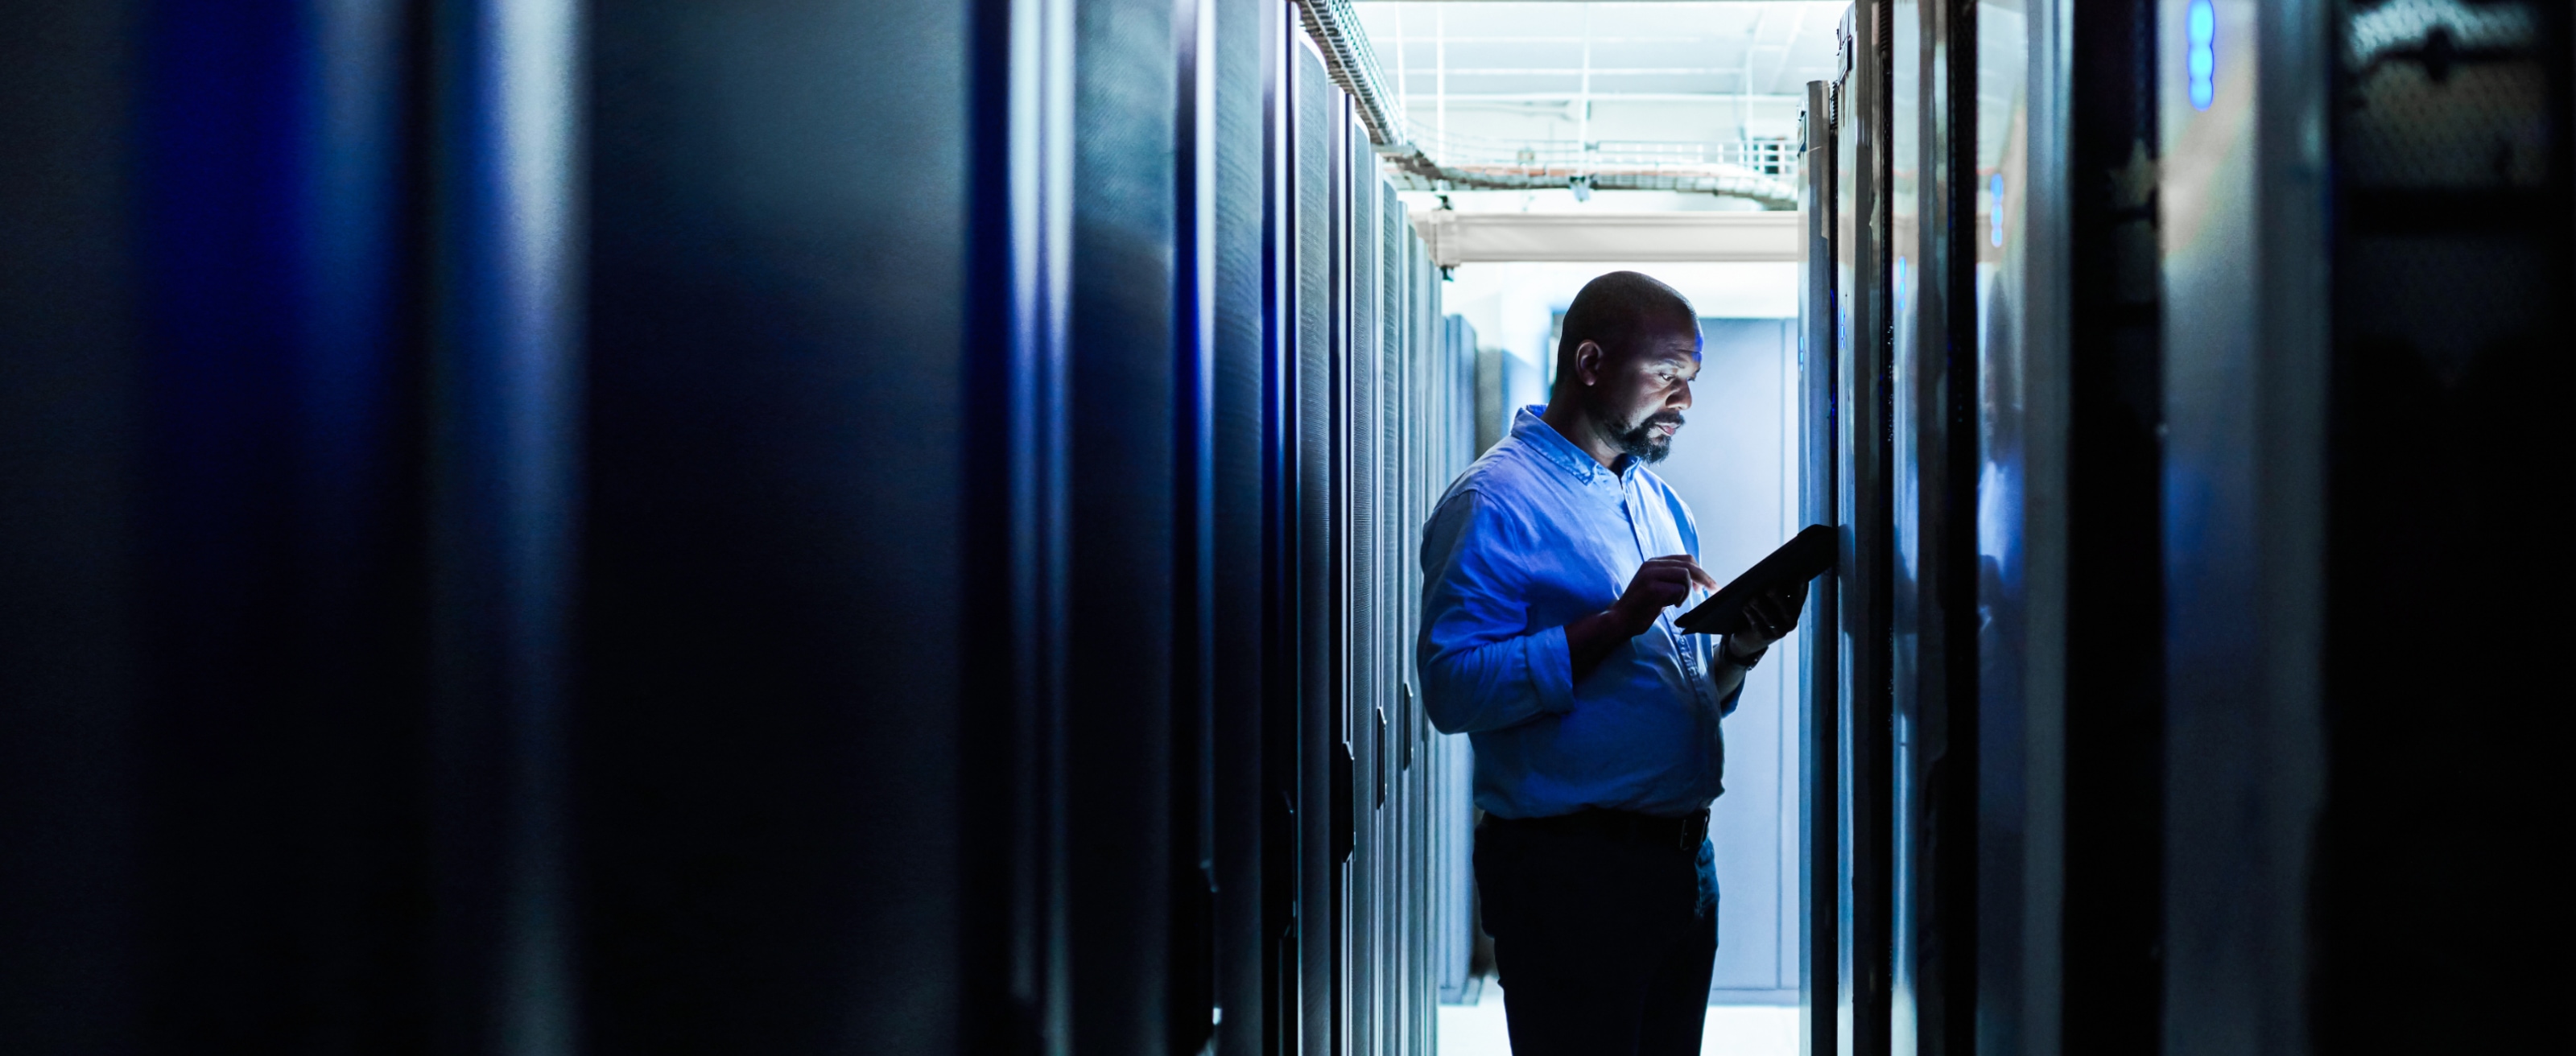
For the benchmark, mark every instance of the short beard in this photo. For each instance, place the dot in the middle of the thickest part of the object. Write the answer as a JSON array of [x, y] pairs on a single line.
[[1640, 441]]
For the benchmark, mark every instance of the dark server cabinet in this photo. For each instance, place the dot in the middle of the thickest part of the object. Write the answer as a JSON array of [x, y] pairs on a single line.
[[2009, 193], [1864, 801], [2368, 232], [573, 531], [1357, 610], [1933, 473], [288, 423], [2243, 366], [1819, 353], [1247, 866], [800, 369], [2112, 476], [1316, 130], [2451, 347], [1933, 373]]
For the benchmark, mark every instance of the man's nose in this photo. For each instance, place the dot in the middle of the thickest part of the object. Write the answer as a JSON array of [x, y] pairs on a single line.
[[1681, 398]]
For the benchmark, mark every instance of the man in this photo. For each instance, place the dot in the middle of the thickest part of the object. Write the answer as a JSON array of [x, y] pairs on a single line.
[[1551, 574]]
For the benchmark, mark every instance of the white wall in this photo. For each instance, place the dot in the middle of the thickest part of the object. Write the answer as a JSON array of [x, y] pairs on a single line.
[[1734, 463]]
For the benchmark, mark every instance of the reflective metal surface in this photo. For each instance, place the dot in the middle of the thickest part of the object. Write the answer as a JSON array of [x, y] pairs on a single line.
[[2242, 203], [1819, 357]]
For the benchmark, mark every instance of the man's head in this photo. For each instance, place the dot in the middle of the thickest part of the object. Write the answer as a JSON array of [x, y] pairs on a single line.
[[1629, 352]]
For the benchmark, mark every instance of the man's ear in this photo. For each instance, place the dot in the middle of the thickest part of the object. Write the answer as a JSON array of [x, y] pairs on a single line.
[[1587, 362]]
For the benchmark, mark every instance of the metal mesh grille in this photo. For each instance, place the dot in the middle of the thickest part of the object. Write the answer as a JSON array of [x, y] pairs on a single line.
[[2451, 166]]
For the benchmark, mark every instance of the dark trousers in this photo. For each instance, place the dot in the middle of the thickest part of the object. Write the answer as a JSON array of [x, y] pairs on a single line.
[[1604, 935]]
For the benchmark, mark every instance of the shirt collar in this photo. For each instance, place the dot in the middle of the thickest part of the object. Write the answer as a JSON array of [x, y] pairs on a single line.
[[1529, 427]]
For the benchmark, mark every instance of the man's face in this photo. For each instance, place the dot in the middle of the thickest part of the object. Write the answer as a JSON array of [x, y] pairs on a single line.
[[1639, 398]]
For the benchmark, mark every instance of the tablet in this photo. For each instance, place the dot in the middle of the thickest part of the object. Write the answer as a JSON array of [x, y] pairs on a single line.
[[1805, 556]]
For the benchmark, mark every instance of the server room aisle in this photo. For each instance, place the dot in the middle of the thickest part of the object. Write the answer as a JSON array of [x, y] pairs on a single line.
[[1478, 1028], [570, 527]]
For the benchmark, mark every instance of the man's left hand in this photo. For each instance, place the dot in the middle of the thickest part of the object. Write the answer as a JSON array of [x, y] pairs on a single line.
[[1768, 619]]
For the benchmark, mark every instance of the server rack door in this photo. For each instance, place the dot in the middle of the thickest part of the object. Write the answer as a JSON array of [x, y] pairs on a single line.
[[1315, 129], [2015, 233], [69, 650], [1357, 435], [2453, 349], [1862, 285], [1284, 846], [1933, 476], [1121, 532], [768, 727], [2112, 468], [1393, 463], [1189, 998], [2242, 202], [1818, 980], [1848, 274], [1243, 325], [1906, 599], [1425, 911], [1912, 650], [290, 409]]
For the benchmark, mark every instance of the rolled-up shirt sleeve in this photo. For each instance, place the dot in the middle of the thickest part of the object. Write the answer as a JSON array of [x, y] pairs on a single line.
[[1482, 666]]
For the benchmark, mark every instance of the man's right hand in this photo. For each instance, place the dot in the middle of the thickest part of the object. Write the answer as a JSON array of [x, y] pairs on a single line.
[[1658, 585]]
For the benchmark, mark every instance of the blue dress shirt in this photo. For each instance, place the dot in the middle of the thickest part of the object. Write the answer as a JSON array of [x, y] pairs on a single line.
[[1536, 535]]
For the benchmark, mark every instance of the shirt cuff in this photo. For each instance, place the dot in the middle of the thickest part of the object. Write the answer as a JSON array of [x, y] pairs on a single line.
[[1551, 669]]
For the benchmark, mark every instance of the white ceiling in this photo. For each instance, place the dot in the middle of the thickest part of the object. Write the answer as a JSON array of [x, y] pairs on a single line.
[[1533, 51], [1601, 84]]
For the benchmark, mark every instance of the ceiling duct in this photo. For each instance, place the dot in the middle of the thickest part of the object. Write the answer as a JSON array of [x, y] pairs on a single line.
[[1351, 64]]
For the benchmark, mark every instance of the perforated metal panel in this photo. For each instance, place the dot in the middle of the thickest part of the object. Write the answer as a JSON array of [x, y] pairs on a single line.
[[2453, 351], [1253, 874], [1315, 132]]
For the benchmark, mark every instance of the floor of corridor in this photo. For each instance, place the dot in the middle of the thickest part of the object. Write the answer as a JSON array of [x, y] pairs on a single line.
[[1732, 1030]]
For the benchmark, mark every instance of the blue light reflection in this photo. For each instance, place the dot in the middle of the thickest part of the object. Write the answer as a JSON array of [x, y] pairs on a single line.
[[1996, 188], [2201, 26]]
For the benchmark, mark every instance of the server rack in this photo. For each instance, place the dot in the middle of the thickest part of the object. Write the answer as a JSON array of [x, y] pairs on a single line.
[[1379, 418], [2251, 299], [822, 620], [2112, 596], [1933, 428], [1819, 942], [2368, 234], [1251, 865], [1315, 128], [1862, 439]]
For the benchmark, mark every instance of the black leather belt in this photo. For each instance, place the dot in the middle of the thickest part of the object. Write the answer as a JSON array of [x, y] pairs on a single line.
[[1685, 832]]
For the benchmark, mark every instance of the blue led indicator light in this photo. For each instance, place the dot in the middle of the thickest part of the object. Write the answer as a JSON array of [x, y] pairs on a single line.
[[2202, 28], [1997, 187]]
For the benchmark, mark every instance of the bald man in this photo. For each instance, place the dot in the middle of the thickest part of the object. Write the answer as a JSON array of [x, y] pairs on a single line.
[[1552, 572]]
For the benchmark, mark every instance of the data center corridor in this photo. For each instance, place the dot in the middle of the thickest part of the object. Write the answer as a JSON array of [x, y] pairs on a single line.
[[562, 527]]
